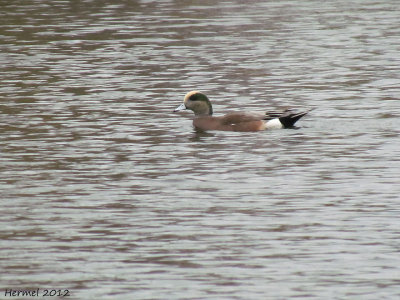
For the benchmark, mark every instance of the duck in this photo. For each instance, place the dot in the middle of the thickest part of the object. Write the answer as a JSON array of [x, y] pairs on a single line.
[[235, 121]]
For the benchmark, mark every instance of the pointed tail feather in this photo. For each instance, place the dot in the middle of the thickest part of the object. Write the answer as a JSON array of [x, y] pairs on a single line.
[[289, 118]]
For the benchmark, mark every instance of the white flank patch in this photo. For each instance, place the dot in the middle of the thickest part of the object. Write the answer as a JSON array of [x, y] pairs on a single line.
[[273, 124]]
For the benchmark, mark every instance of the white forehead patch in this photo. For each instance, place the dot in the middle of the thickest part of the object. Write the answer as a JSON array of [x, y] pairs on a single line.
[[187, 96]]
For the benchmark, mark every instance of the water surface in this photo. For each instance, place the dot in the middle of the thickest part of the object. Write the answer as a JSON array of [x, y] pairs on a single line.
[[107, 193]]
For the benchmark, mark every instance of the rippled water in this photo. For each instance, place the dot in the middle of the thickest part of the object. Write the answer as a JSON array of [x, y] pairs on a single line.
[[106, 193]]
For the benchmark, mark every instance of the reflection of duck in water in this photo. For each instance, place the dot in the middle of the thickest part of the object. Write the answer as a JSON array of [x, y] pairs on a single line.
[[235, 121]]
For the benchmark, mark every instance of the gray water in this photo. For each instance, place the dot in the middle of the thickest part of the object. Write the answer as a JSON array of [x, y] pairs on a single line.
[[109, 195]]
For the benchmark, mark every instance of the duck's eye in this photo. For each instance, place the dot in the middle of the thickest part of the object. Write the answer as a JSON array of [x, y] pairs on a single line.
[[193, 97]]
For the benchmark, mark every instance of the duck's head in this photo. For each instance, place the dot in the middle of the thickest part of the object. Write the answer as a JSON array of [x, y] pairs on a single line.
[[197, 102]]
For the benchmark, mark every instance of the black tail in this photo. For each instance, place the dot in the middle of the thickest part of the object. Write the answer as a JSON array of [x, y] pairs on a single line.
[[289, 118]]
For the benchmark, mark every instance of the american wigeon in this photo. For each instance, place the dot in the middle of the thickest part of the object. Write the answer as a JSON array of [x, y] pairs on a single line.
[[235, 121]]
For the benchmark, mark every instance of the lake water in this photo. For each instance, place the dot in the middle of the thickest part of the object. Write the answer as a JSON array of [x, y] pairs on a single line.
[[109, 195]]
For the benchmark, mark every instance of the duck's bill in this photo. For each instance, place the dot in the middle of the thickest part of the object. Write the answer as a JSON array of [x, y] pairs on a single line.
[[180, 107]]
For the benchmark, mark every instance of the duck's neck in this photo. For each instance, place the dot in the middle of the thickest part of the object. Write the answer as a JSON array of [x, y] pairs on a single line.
[[205, 109]]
